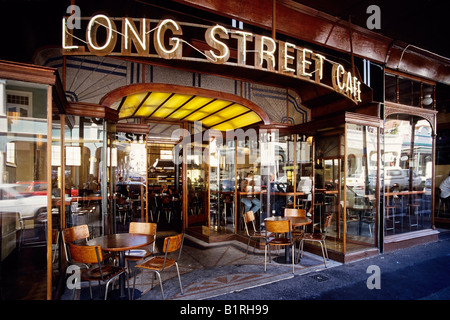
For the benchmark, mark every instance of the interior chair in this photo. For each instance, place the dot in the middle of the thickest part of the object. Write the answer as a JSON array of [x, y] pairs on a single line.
[[316, 237], [280, 237], [352, 217], [123, 208], [96, 269], [81, 209], [166, 207], [249, 218], [158, 264], [300, 213], [368, 217], [148, 228]]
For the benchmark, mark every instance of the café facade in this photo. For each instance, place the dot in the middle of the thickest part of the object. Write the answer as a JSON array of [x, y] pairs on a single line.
[[232, 113]]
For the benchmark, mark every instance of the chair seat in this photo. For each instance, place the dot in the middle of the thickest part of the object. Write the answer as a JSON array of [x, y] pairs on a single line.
[[108, 272], [156, 263], [313, 236], [137, 254], [297, 233], [257, 234], [280, 241]]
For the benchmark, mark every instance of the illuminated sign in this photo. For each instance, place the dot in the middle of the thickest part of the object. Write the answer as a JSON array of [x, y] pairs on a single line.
[[250, 50]]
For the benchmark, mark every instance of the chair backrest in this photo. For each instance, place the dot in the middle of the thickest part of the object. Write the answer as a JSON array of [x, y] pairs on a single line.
[[327, 222], [85, 254], [75, 233], [249, 216], [173, 243], [289, 212], [143, 228], [278, 226], [72, 234]]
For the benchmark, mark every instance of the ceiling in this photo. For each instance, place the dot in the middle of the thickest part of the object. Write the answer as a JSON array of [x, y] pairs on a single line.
[[215, 114]]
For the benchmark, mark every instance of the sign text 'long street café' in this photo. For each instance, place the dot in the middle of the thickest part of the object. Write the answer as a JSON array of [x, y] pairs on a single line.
[[274, 56]]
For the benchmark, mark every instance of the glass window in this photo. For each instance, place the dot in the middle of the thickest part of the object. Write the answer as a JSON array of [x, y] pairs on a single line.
[[409, 92], [23, 209], [428, 96], [407, 173], [304, 172], [390, 88], [83, 172]]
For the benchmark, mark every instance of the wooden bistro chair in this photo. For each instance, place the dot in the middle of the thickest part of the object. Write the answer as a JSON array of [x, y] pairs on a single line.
[[158, 264], [301, 213], [96, 269], [249, 218], [73, 234], [317, 237], [278, 227], [148, 228]]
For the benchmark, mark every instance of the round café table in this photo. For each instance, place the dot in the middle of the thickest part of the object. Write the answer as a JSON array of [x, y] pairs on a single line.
[[121, 242], [295, 221]]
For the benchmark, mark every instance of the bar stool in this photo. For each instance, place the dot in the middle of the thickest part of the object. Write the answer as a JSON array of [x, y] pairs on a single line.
[[228, 202], [390, 209], [413, 210], [442, 202], [319, 205]]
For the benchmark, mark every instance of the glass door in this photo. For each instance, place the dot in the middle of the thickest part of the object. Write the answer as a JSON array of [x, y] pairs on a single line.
[[129, 179], [361, 188]]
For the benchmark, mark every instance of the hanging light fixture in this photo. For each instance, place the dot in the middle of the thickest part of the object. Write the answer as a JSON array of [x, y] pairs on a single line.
[[427, 100]]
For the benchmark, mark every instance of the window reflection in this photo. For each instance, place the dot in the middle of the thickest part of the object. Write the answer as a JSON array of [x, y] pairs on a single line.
[[361, 205], [23, 191], [83, 142]]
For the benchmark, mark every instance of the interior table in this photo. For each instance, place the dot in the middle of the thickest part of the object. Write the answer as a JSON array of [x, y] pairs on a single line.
[[122, 242]]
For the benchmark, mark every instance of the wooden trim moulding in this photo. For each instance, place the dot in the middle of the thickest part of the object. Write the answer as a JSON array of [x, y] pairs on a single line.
[[92, 110]]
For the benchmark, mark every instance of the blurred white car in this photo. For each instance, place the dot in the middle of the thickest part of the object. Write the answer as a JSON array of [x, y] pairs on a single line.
[[27, 205], [400, 177]]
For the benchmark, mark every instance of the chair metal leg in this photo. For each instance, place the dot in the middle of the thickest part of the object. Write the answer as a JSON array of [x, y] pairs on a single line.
[[134, 284], [298, 251], [179, 278], [323, 254], [265, 258], [293, 259], [160, 284], [248, 244]]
